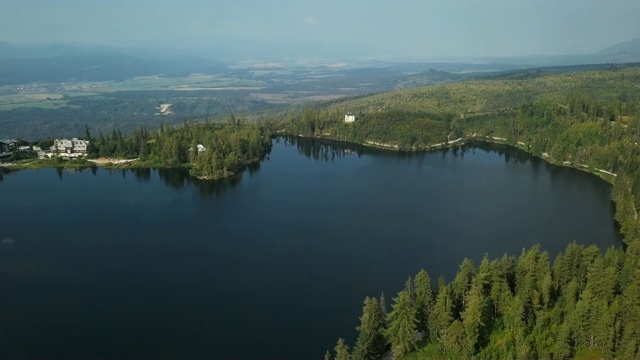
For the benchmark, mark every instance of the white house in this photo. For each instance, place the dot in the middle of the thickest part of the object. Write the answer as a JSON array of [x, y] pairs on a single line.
[[349, 118], [199, 148], [73, 146]]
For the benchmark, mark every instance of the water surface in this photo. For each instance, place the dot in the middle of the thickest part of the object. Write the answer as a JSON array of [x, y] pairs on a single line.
[[276, 263]]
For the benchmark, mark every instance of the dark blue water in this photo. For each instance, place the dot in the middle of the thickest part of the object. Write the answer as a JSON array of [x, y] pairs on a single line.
[[276, 263]]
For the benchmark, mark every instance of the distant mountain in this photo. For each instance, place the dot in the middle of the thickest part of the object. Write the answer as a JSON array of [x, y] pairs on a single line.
[[59, 63], [21, 63], [244, 49], [429, 77], [625, 52]]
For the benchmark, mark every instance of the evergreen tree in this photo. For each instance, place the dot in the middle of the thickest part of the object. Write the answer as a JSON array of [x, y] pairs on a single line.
[[371, 343], [461, 285], [441, 317], [342, 350], [473, 319], [452, 340], [629, 343], [408, 287], [382, 305], [520, 309], [402, 325], [424, 299]]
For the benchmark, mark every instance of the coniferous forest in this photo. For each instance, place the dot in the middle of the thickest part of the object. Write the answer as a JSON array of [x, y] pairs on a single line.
[[225, 148], [583, 304]]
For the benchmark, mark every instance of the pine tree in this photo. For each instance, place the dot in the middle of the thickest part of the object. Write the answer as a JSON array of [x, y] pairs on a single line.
[[461, 284], [342, 350], [371, 343], [424, 299], [440, 317], [408, 287], [452, 338], [382, 305], [629, 344], [402, 325], [473, 319]]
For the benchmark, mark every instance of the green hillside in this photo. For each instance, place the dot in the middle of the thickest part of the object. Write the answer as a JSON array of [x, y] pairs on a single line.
[[583, 305]]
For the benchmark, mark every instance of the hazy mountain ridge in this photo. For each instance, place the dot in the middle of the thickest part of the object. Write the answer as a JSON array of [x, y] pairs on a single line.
[[628, 51], [73, 62], [62, 63]]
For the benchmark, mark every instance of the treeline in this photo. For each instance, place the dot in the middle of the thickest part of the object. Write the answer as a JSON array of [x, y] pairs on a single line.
[[585, 303], [226, 148], [407, 130]]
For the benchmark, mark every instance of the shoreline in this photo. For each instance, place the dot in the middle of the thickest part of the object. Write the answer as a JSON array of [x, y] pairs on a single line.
[[113, 161], [605, 175], [117, 163], [112, 164]]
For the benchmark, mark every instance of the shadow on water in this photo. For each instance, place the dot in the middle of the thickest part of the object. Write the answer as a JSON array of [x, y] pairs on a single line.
[[142, 174], [255, 167], [322, 149], [60, 170], [180, 178], [329, 150], [6, 172], [510, 154]]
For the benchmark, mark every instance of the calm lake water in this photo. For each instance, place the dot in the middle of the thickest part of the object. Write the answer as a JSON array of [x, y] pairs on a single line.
[[274, 264]]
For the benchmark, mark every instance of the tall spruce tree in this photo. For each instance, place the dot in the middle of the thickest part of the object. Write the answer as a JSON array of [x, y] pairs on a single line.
[[371, 343], [424, 300], [402, 325], [441, 317], [473, 319], [342, 350], [382, 305]]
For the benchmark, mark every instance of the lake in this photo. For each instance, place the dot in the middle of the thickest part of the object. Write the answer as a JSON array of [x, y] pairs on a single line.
[[273, 264]]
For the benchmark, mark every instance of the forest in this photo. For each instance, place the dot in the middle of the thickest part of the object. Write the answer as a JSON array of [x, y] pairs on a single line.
[[585, 304], [225, 148], [123, 111]]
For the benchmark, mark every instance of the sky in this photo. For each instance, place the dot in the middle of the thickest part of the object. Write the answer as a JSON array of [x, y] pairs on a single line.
[[400, 28]]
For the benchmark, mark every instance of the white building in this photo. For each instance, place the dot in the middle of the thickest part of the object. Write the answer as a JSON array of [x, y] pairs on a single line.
[[73, 146], [8, 145], [349, 118]]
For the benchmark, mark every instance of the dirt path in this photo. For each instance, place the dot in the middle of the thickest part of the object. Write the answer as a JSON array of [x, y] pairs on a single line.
[[102, 161]]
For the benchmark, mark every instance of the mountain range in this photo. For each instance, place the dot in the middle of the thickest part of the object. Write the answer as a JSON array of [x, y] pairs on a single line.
[[72, 62]]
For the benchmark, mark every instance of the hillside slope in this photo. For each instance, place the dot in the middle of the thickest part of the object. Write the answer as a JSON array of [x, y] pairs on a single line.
[[584, 304]]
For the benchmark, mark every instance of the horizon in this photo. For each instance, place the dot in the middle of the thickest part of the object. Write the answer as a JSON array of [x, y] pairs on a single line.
[[407, 30]]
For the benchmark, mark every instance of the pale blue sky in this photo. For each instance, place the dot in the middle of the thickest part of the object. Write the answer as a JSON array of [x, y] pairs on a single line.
[[401, 28]]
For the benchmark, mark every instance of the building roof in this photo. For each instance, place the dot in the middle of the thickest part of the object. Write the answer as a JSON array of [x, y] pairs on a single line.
[[74, 144], [8, 141]]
